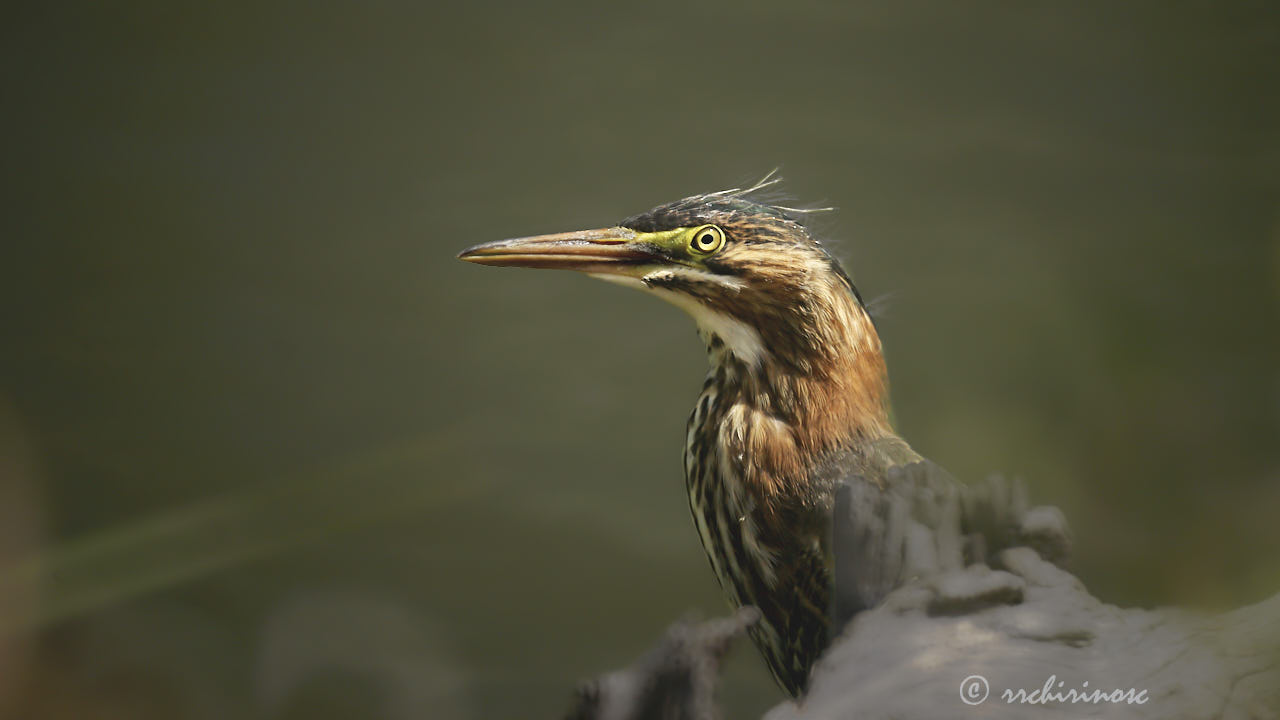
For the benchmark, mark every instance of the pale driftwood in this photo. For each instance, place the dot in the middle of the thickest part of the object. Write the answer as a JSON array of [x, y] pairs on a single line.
[[909, 657], [941, 583], [676, 680]]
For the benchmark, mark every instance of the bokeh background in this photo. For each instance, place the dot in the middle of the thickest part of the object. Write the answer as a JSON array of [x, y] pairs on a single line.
[[269, 451]]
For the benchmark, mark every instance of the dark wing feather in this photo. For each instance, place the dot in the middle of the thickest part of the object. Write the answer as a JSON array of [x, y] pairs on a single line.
[[805, 622]]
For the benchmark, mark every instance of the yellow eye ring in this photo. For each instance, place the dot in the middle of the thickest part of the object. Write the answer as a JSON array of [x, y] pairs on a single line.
[[706, 239]]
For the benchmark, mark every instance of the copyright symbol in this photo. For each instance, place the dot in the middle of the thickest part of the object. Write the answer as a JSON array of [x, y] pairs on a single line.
[[974, 689]]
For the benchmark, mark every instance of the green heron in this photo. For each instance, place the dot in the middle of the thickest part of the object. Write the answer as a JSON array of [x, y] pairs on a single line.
[[796, 399]]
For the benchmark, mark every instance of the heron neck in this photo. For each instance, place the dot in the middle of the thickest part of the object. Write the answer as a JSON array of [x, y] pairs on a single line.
[[789, 412]]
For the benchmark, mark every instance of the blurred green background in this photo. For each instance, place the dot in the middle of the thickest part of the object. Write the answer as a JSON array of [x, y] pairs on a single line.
[[269, 451]]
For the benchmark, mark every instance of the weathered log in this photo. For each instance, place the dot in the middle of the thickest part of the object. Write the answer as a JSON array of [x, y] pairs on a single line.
[[676, 680], [957, 605]]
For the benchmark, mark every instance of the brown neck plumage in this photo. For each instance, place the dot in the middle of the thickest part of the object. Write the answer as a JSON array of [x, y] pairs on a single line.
[[804, 400]]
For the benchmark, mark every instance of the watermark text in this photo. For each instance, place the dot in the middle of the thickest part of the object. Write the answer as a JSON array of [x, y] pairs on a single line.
[[975, 689]]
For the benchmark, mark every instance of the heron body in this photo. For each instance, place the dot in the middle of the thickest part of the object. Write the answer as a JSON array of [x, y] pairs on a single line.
[[796, 398]]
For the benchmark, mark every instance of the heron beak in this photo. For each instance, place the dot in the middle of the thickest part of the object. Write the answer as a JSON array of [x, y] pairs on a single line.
[[607, 251]]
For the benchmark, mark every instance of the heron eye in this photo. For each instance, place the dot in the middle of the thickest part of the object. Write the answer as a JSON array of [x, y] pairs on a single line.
[[707, 239]]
